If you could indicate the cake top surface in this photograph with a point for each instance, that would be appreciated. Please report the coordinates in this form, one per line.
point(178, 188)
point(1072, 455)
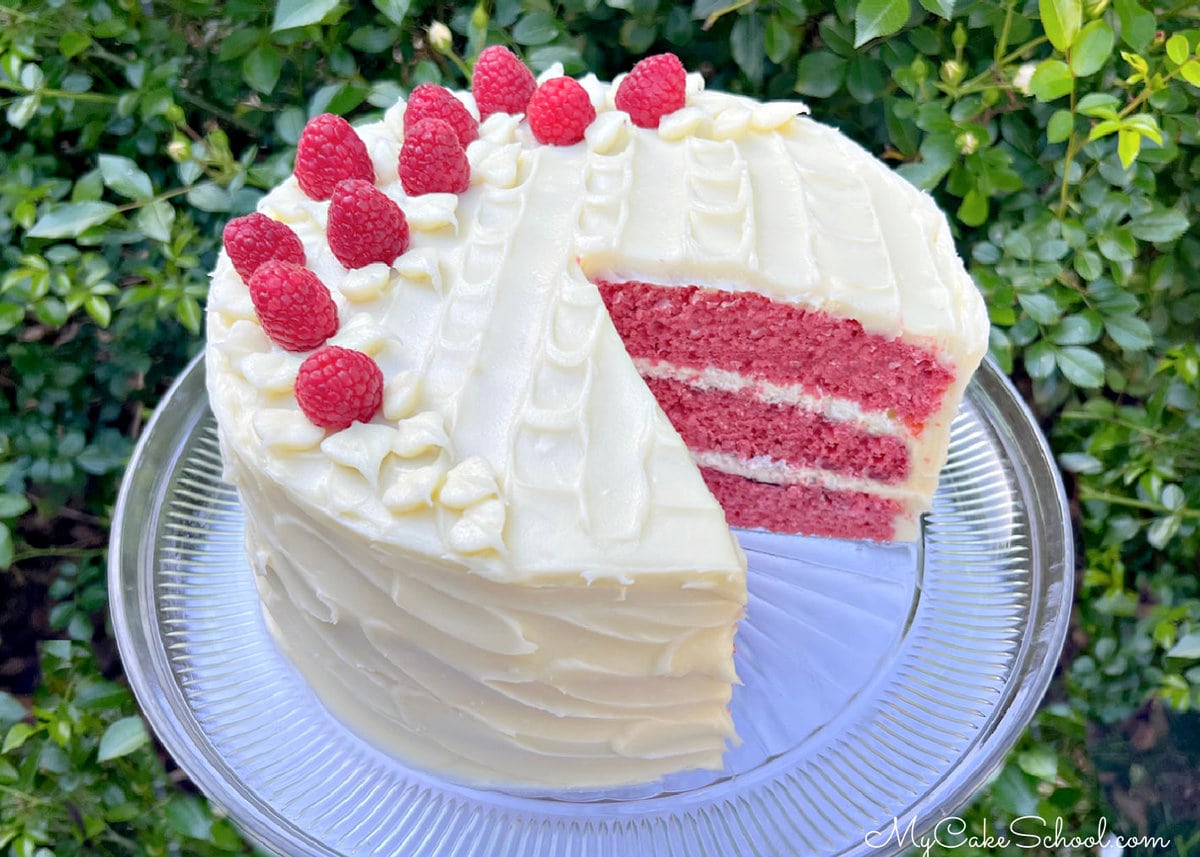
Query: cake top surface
point(513, 433)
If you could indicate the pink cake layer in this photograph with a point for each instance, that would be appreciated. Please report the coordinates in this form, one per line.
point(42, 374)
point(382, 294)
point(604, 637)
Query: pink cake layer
point(749, 334)
point(799, 508)
point(740, 424)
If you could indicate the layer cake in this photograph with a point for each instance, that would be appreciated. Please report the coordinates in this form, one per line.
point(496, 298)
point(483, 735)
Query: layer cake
point(592, 359)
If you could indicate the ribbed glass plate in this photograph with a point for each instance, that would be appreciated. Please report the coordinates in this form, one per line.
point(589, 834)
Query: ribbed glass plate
point(882, 684)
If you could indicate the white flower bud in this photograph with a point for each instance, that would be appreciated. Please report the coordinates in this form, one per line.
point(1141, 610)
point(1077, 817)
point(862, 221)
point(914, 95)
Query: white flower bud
point(1024, 77)
point(440, 37)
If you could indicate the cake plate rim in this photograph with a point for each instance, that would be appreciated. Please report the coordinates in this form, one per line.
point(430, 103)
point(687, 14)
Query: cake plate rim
point(132, 603)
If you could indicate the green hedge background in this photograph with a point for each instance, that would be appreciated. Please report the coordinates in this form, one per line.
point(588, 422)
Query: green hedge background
point(1061, 136)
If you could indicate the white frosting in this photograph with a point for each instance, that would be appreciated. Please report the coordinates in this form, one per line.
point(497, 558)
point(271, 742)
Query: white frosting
point(515, 571)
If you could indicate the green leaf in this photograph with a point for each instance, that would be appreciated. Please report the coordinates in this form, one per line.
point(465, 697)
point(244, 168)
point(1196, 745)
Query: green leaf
point(58, 650)
point(341, 98)
point(1163, 530)
point(874, 18)
point(17, 735)
point(1089, 264)
point(1041, 763)
point(300, 13)
point(156, 220)
point(189, 314)
point(1051, 79)
point(1188, 646)
point(1129, 331)
point(544, 56)
point(289, 123)
point(1137, 24)
point(1117, 245)
point(778, 40)
point(1092, 48)
point(1103, 129)
point(121, 738)
point(1080, 462)
point(1013, 793)
point(186, 816)
point(70, 219)
point(746, 43)
point(1190, 71)
point(13, 505)
point(394, 10)
point(98, 309)
point(124, 177)
point(820, 74)
point(536, 28)
point(239, 43)
point(941, 8)
point(22, 110)
point(1146, 125)
point(1159, 225)
point(1081, 366)
point(1129, 143)
point(101, 694)
point(1100, 105)
point(11, 710)
point(208, 196)
point(864, 78)
point(974, 208)
point(6, 547)
point(1040, 307)
point(1173, 497)
point(1061, 20)
point(10, 316)
point(1081, 329)
point(1060, 126)
point(261, 68)
point(72, 43)
point(636, 37)
point(837, 36)
point(1178, 50)
point(1039, 359)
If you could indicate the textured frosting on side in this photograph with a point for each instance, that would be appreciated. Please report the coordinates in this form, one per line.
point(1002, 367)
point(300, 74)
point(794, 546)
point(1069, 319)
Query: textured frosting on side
point(515, 572)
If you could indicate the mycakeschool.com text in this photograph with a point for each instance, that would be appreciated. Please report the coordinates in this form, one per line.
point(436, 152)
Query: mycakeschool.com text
point(1026, 831)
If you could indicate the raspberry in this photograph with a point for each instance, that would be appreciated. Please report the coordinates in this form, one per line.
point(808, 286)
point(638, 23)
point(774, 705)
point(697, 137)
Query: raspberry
point(430, 101)
point(338, 386)
point(293, 306)
point(656, 86)
point(500, 82)
point(329, 151)
point(365, 225)
point(255, 238)
point(432, 160)
point(560, 111)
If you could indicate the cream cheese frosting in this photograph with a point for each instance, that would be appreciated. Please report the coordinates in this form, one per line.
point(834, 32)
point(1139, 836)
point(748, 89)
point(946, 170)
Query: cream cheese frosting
point(515, 573)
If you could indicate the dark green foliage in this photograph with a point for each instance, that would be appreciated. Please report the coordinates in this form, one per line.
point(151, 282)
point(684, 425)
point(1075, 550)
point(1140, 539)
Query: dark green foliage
point(80, 776)
point(1060, 135)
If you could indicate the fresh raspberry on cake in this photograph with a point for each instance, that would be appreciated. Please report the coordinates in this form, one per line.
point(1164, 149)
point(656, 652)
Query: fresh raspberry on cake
point(560, 111)
point(365, 225)
point(500, 82)
point(432, 160)
point(338, 386)
point(294, 307)
point(329, 151)
point(430, 101)
point(255, 238)
point(655, 87)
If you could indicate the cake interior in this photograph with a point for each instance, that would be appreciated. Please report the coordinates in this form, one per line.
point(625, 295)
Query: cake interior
point(801, 421)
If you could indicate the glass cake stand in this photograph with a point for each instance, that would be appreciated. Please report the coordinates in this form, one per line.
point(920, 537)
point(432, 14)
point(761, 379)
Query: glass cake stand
point(882, 685)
